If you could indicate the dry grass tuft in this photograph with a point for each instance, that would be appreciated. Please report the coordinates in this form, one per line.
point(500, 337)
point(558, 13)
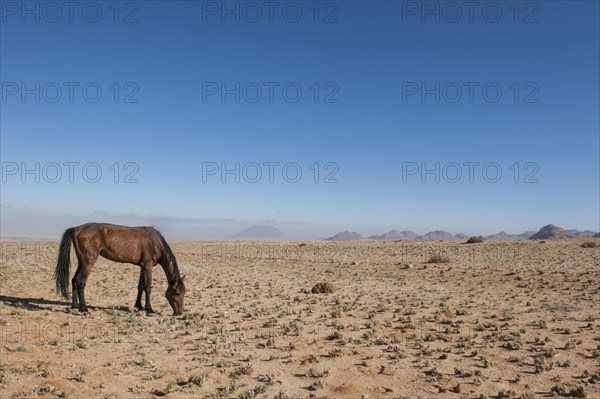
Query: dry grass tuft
point(438, 259)
point(589, 244)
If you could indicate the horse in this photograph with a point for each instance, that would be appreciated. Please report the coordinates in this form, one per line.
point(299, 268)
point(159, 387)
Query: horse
point(142, 246)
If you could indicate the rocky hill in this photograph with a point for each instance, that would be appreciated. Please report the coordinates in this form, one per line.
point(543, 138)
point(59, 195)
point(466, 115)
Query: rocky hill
point(346, 236)
point(395, 235)
point(551, 232)
point(438, 235)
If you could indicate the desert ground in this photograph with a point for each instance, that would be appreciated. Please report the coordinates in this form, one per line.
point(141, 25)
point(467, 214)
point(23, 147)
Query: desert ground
point(499, 319)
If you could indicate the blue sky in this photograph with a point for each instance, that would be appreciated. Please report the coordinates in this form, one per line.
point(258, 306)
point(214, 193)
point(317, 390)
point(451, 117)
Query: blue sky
point(362, 118)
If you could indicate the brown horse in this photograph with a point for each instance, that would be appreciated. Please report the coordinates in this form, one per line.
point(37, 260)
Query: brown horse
point(142, 246)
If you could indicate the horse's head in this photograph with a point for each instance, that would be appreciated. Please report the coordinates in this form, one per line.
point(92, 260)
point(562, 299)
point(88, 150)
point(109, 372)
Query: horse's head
point(175, 294)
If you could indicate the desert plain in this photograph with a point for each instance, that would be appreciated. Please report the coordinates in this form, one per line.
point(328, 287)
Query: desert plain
point(407, 319)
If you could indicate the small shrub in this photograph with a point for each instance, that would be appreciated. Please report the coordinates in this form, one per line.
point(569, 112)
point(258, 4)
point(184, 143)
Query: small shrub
point(80, 376)
point(197, 379)
point(475, 240)
point(253, 393)
point(323, 288)
point(244, 370)
point(337, 313)
point(4, 376)
point(578, 392)
point(438, 259)
point(559, 389)
point(542, 324)
point(589, 244)
point(314, 373)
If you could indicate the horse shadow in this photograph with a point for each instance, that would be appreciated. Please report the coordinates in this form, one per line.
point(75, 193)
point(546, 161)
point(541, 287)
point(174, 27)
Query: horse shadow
point(38, 304)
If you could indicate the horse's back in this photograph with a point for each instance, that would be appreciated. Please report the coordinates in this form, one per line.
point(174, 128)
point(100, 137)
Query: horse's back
point(120, 243)
point(106, 230)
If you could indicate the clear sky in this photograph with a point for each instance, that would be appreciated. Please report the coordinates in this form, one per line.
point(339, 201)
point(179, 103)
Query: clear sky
point(398, 115)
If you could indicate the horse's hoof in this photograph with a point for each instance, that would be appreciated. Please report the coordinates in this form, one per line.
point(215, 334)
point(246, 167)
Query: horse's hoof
point(84, 310)
point(150, 311)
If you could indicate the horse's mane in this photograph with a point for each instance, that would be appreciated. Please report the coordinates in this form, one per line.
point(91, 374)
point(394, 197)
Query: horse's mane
point(168, 256)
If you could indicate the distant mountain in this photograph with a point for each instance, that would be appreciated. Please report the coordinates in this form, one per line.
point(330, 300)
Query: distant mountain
point(346, 236)
point(550, 232)
point(547, 232)
point(582, 234)
point(260, 232)
point(395, 235)
point(527, 234)
point(437, 235)
point(505, 236)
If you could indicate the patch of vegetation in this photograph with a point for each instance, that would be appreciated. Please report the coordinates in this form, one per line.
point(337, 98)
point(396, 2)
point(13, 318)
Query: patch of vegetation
point(197, 379)
point(253, 393)
point(561, 390)
point(475, 240)
point(4, 376)
point(438, 259)
point(80, 376)
point(323, 288)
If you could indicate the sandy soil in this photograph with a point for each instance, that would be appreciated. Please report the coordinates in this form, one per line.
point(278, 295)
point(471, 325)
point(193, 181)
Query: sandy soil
point(499, 320)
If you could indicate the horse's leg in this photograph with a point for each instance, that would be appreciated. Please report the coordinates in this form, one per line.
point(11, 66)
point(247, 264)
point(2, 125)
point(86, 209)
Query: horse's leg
point(87, 251)
point(81, 282)
point(148, 277)
point(141, 287)
point(75, 298)
point(76, 276)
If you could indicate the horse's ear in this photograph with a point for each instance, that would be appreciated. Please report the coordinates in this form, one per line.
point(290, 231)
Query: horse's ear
point(183, 278)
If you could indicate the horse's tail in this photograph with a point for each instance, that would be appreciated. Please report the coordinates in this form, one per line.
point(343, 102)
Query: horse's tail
point(61, 273)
